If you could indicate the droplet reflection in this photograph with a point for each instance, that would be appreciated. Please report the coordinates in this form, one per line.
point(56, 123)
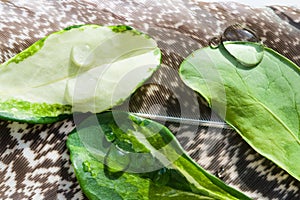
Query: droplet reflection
point(238, 32)
point(110, 136)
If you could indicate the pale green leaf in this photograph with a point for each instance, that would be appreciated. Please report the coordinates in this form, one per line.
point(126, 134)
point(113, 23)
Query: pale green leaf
point(87, 68)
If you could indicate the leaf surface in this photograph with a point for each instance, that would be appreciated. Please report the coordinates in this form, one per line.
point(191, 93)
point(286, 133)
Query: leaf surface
point(119, 155)
point(262, 102)
point(86, 68)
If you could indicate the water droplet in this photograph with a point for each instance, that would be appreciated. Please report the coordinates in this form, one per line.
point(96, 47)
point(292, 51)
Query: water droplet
point(116, 162)
point(247, 54)
point(110, 136)
point(82, 55)
point(243, 45)
point(220, 172)
point(86, 166)
point(214, 42)
point(162, 176)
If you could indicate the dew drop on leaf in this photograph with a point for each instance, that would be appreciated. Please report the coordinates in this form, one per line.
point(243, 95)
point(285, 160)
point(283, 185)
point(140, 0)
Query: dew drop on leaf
point(86, 166)
point(110, 136)
point(82, 55)
point(117, 160)
point(220, 172)
point(243, 45)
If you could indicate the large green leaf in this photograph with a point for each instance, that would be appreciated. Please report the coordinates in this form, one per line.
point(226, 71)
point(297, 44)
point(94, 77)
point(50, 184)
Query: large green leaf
point(261, 102)
point(81, 68)
point(117, 155)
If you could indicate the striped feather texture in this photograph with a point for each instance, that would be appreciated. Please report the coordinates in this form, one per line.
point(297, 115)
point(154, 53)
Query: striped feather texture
point(34, 162)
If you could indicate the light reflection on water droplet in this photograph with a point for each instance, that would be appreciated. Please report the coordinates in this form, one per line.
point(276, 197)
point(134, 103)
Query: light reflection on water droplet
point(110, 136)
point(220, 172)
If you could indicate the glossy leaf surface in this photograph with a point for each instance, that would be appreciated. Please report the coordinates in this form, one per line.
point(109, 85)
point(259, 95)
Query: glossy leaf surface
point(120, 156)
point(261, 102)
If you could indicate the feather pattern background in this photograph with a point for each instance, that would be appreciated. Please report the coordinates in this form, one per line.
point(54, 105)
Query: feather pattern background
point(34, 162)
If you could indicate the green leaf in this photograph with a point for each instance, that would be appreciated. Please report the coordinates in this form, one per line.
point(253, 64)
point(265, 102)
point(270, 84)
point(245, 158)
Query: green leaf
point(84, 68)
point(117, 155)
point(262, 102)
